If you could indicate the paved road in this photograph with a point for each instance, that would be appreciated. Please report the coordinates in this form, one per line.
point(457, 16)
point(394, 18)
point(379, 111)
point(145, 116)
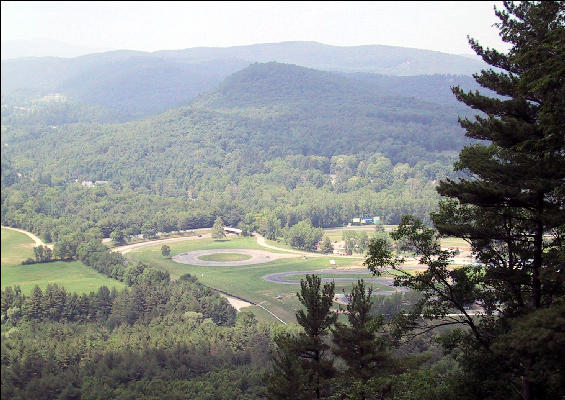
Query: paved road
point(257, 257)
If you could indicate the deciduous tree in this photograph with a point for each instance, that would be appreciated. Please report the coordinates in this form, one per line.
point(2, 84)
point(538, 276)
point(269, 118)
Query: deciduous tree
point(165, 250)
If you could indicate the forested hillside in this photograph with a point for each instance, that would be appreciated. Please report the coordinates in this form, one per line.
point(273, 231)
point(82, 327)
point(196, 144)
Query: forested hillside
point(307, 143)
point(126, 84)
point(132, 84)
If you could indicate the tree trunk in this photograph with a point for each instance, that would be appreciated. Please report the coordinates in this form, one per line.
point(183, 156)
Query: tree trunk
point(526, 389)
point(538, 253)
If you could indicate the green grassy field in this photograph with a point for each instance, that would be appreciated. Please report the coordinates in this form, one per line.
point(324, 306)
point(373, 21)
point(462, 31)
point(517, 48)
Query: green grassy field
point(74, 275)
point(224, 257)
point(16, 247)
point(244, 281)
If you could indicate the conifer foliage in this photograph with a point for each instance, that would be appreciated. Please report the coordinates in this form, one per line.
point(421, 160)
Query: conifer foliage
point(218, 229)
point(510, 207)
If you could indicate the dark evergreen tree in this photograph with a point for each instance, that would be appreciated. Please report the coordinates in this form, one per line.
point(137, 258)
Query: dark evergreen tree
point(509, 207)
point(326, 247)
point(34, 309)
point(218, 229)
point(287, 381)
point(359, 344)
point(317, 320)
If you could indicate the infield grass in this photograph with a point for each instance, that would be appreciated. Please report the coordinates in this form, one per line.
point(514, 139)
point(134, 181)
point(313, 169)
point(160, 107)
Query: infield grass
point(224, 257)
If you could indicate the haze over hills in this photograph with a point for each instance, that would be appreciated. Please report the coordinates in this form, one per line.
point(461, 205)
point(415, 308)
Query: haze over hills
point(44, 48)
point(388, 60)
point(276, 109)
point(257, 128)
point(134, 84)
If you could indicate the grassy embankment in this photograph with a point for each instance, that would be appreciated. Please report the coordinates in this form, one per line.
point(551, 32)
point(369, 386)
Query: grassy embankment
point(73, 275)
point(246, 281)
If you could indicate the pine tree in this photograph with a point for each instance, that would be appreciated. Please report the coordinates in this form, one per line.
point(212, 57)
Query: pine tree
point(316, 321)
point(34, 305)
point(358, 343)
point(287, 380)
point(326, 247)
point(509, 207)
point(302, 367)
point(218, 229)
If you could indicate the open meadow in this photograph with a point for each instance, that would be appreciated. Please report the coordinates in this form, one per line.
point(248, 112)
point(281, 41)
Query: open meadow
point(73, 275)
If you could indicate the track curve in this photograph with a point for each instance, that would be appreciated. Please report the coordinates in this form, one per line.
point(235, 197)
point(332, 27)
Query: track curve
point(257, 257)
point(280, 277)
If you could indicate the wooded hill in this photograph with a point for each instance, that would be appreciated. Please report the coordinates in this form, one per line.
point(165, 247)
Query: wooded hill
point(270, 128)
point(132, 84)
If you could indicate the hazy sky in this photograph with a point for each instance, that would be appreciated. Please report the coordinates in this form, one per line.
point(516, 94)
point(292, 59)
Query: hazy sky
point(149, 26)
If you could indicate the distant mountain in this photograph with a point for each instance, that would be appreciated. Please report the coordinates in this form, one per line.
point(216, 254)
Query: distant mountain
point(302, 142)
point(44, 48)
point(257, 114)
point(324, 113)
point(387, 60)
point(129, 83)
point(134, 84)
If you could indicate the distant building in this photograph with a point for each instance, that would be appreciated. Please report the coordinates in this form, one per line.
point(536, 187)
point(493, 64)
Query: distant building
point(91, 184)
point(366, 220)
point(53, 97)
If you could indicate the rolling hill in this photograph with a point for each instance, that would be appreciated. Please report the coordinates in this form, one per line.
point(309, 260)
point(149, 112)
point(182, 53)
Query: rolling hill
point(133, 84)
point(271, 138)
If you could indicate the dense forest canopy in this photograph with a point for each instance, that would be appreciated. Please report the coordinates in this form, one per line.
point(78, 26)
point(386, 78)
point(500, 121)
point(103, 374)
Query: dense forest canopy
point(310, 144)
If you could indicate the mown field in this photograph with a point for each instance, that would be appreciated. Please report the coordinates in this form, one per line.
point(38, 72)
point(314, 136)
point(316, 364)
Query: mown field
point(16, 247)
point(225, 257)
point(245, 281)
point(73, 275)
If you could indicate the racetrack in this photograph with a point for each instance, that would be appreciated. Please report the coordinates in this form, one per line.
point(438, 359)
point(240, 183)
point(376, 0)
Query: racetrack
point(257, 257)
point(280, 277)
point(130, 247)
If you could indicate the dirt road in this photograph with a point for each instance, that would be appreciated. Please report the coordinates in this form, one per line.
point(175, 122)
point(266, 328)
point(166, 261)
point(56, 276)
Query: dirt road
point(38, 241)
